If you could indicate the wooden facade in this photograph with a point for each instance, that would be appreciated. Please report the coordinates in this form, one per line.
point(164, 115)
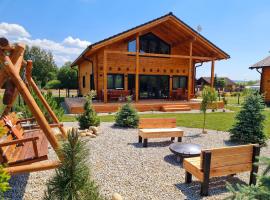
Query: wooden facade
point(263, 67)
point(112, 56)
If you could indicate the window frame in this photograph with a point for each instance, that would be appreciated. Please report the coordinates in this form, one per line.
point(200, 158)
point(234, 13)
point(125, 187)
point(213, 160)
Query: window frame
point(114, 81)
point(179, 78)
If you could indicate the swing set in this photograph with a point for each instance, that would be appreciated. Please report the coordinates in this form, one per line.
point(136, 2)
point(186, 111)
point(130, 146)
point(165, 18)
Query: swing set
point(23, 150)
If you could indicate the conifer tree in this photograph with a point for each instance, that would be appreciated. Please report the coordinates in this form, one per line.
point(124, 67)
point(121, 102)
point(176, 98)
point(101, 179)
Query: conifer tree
point(249, 126)
point(127, 116)
point(89, 117)
point(72, 180)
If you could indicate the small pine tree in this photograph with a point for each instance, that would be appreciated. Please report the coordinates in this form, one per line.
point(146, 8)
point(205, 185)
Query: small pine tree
point(209, 96)
point(89, 117)
point(127, 116)
point(249, 121)
point(259, 191)
point(4, 184)
point(72, 179)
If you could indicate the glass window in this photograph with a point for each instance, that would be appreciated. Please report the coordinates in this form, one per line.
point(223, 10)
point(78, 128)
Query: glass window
point(115, 81)
point(83, 82)
point(179, 82)
point(132, 46)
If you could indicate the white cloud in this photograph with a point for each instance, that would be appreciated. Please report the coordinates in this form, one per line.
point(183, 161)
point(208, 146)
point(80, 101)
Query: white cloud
point(13, 30)
point(64, 51)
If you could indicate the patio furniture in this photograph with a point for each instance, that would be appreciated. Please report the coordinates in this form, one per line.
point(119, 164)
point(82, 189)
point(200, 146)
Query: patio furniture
point(222, 162)
point(115, 95)
point(187, 150)
point(158, 128)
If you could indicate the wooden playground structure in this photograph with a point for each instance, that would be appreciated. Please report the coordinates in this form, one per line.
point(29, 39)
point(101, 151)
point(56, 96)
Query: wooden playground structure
point(23, 150)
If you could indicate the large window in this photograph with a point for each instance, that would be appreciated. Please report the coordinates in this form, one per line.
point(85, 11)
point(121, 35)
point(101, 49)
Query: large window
point(179, 82)
point(150, 43)
point(115, 81)
point(83, 82)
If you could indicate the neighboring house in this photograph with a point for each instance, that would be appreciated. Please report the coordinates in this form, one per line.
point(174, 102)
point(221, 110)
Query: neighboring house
point(149, 61)
point(255, 86)
point(229, 84)
point(263, 67)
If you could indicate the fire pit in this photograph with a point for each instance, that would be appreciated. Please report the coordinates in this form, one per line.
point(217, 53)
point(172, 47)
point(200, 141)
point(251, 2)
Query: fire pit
point(185, 150)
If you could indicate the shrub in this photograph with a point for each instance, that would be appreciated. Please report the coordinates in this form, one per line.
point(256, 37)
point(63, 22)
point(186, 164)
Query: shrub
point(89, 117)
point(53, 84)
point(127, 116)
point(249, 121)
point(209, 96)
point(4, 185)
point(72, 179)
point(259, 191)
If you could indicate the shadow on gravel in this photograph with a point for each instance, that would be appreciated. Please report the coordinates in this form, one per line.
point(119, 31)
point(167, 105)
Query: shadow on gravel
point(18, 184)
point(172, 159)
point(217, 186)
point(151, 144)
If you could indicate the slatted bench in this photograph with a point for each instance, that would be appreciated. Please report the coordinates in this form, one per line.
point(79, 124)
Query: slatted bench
point(20, 147)
point(222, 162)
point(158, 128)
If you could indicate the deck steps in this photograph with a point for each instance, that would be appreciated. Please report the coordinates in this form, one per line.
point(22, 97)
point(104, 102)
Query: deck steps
point(175, 107)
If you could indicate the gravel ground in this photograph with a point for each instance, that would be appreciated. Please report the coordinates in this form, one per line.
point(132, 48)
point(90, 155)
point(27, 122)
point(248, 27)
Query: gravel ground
point(119, 164)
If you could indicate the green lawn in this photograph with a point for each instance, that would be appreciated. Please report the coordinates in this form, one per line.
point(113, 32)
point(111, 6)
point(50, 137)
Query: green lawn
point(215, 121)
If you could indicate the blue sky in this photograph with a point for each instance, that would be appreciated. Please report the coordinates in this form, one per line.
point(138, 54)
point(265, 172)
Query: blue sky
point(239, 27)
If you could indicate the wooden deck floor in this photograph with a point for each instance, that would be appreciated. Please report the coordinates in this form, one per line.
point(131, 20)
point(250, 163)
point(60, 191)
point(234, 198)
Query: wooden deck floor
point(75, 105)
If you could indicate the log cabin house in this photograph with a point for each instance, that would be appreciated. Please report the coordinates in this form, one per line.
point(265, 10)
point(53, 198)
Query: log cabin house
point(263, 67)
point(155, 60)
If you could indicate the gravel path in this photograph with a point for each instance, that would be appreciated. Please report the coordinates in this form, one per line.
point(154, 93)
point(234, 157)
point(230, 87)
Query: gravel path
point(119, 164)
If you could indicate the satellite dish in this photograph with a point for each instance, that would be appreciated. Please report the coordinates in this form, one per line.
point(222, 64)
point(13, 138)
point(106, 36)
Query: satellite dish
point(199, 28)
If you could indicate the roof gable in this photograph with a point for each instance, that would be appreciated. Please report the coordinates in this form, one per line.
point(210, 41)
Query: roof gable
point(263, 63)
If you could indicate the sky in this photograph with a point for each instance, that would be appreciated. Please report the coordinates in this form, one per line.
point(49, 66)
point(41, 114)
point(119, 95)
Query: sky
point(239, 27)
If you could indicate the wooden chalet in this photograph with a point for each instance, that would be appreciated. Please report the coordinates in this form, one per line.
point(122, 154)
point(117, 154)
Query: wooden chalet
point(263, 67)
point(155, 60)
point(229, 84)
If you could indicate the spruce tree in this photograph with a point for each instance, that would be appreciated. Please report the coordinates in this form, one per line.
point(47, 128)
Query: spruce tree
point(257, 192)
point(127, 116)
point(72, 180)
point(89, 117)
point(249, 126)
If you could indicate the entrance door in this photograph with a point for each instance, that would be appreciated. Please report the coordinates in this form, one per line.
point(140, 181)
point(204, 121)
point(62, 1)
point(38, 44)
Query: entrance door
point(154, 87)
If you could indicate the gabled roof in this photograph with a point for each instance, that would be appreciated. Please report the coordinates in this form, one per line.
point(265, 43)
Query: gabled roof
point(263, 63)
point(170, 16)
point(208, 80)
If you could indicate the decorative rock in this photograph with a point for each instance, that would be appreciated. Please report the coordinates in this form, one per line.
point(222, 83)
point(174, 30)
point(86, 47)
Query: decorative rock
point(94, 129)
point(83, 134)
point(90, 134)
point(116, 196)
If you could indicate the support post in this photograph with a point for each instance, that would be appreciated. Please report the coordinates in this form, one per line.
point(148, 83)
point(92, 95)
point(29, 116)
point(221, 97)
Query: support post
point(137, 68)
point(212, 73)
point(126, 82)
point(255, 168)
point(105, 91)
point(171, 87)
point(41, 98)
point(206, 172)
point(190, 70)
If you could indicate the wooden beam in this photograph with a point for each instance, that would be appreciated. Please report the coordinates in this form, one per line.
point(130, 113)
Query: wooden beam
point(41, 98)
point(190, 70)
point(162, 55)
point(171, 86)
point(105, 91)
point(212, 73)
point(137, 68)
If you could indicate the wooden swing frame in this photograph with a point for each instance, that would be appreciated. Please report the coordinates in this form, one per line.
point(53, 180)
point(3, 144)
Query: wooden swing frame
point(11, 64)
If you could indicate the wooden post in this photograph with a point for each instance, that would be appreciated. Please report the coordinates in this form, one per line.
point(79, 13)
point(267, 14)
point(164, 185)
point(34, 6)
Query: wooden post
point(171, 87)
point(190, 70)
point(255, 168)
point(31, 103)
point(212, 73)
point(41, 98)
point(206, 156)
point(137, 68)
point(188, 177)
point(105, 91)
point(126, 82)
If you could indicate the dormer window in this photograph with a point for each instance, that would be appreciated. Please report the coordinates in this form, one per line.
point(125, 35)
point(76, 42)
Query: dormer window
point(150, 43)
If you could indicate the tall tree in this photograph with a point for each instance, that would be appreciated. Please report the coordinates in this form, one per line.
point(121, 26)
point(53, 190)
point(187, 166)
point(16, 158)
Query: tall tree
point(44, 67)
point(68, 76)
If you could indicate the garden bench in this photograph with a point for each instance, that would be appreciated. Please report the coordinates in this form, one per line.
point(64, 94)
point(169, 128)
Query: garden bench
point(158, 128)
point(20, 147)
point(222, 162)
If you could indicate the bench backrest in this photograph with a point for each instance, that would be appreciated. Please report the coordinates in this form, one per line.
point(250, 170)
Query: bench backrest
point(234, 158)
point(157, 123)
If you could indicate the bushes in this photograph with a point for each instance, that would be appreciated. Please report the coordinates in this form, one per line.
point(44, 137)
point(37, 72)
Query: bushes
point(4, 185)
point(249, 121)
point(127, 116)
point(89, 117)
point(72, 179)
point(53, 84)
point(259, 191)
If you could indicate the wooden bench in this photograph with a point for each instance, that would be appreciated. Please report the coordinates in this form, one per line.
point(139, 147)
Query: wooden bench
point(222, 162)
point(19, 147)
point(158, 128)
